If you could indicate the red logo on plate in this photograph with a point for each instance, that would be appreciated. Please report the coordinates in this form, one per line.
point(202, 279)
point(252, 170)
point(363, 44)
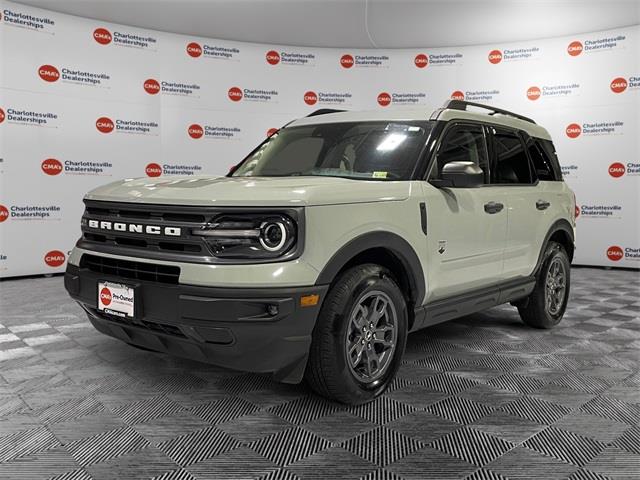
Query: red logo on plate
point(618, 85)
point(104, 125)
point(153, 170)
point(1, 115)
point(54, 258)
point(575, 48)
point(533, 93)
point(421, 60)
point(51, 166)
point(49, 73)
point(105, 296)
point(495, 56)
point(616, 169)
point(235, 94)
point(347, 61)
point(457, 95)
point(272, 131)
point(194, 49)
point(102, 36)
point(273, 57)
point(310, 98)
point(384, 99)
point(151, 86)
point(195, 131)
point(573, 130)
point(615, 253)
point(4, 213)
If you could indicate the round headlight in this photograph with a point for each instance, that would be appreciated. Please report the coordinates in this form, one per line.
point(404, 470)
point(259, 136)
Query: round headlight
point(273, 235)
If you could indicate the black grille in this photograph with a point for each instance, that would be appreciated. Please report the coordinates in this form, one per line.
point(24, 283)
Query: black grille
point(149, 272)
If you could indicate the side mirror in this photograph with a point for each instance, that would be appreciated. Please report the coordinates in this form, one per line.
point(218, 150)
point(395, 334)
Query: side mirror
point(462, 175)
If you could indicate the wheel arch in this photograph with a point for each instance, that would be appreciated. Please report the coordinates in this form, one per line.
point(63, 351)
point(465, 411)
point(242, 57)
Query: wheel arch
point(388, 250)
point(561, 231)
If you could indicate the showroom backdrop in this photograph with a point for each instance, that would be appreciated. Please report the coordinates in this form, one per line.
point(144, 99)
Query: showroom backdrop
point(84, 102)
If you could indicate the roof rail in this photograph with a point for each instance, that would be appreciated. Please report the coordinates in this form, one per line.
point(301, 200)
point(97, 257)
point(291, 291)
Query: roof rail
point(324, 111)
point(463, 104)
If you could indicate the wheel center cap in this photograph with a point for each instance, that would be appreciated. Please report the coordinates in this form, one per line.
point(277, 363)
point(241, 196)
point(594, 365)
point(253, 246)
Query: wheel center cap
point(368, 335)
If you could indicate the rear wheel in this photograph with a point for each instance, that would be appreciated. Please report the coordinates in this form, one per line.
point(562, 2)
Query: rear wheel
point(546, 305)
point(359, 338)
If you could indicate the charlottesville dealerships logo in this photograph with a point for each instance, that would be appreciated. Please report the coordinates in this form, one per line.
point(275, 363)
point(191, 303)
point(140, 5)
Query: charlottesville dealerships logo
point(4, 213)
point(24, 20)
point(533, 93)
point(421, 60)
point(105, 296)
point(384, 99)
point(151, 86)
point(615, 253)
point(327, 98)
point(153, 170)
point(236, 94)
point(495, 56)
point(123, 39)
point(54, 258)
point(401, 98)
point(49, 73)
point(573, 130)
point(575, 48)
point(457, 95)
point(310, 98)
point(617, 170)
point(1, 115)
point(51, 166)
point(29, 117)
point(195, 131)
point(347, 61)
point(274, 57)
point(195, 50)
point(106, 125)
point(618, 85)
point(102, 36)
point(272, 131)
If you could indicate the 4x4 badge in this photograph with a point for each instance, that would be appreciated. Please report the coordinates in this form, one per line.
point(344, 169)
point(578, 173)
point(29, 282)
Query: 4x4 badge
point(442, 246)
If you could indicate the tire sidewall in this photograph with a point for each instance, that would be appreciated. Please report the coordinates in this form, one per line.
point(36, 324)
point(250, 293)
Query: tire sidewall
point(383, 282)
point(554, 251)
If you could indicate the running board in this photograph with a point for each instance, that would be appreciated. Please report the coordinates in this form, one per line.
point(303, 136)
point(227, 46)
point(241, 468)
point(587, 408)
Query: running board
point(472, 302)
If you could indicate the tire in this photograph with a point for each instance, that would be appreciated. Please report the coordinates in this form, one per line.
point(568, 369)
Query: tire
point(341, 330)
point(538, 310)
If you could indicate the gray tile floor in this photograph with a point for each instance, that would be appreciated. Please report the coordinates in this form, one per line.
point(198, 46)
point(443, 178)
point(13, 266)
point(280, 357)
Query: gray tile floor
point(483, 397)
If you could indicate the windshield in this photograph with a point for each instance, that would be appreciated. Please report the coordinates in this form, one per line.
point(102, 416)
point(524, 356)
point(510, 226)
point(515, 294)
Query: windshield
point(363, 150)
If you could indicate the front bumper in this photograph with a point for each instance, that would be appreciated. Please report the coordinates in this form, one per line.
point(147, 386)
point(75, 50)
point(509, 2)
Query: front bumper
point(230, 327)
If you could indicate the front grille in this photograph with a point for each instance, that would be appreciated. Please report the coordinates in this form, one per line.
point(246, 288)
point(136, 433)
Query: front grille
point(148, 272)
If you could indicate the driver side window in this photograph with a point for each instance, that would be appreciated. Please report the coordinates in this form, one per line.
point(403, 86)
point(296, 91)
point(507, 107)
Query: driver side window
point(463, 143)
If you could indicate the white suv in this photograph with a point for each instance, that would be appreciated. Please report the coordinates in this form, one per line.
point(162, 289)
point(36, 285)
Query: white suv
point(331, 241)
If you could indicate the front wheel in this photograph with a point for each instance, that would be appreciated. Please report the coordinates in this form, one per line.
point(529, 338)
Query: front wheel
point(360, 336)
point(546, 305)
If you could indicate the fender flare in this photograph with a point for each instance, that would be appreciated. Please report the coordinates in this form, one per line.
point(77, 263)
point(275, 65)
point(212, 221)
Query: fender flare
point(561, 225)
point(392, 242)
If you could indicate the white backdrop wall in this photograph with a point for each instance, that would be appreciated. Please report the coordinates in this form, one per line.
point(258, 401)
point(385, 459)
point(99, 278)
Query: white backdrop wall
point(84, 102)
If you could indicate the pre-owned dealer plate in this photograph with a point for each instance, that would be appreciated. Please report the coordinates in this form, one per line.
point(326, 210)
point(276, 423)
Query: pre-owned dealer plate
point(116, 299)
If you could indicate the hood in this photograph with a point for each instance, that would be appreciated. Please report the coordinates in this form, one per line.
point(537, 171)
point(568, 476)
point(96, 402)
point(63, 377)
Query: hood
point(251, 191)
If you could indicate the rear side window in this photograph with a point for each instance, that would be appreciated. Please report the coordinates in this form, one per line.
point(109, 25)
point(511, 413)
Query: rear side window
point(512, 163)
point(549, 150)
point(541, 163)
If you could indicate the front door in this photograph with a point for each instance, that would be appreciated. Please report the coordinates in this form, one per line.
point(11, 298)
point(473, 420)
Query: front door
point(467, 227)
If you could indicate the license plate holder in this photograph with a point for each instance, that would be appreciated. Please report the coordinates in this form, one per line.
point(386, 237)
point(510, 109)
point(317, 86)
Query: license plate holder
point(118, 299)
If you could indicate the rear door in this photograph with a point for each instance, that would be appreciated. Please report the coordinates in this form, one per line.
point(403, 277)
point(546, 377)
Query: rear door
point(467, 227)
point(527, 201)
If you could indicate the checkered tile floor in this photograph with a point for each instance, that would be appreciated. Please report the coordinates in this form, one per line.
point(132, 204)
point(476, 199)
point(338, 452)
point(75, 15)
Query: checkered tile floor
point(483, 397)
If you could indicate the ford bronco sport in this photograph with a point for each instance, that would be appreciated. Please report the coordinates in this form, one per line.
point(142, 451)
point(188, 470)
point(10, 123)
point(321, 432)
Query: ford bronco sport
point(332, 240)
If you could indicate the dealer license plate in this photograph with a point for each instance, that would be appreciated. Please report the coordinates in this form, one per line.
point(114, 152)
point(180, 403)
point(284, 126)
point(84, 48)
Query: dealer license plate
point(116, 299)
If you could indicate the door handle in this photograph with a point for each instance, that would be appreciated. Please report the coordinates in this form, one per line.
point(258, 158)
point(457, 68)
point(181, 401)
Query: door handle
point(493, 207)
point(542, 204)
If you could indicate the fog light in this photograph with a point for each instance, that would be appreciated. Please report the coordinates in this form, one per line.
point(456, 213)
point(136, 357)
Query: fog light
point(272, 310)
